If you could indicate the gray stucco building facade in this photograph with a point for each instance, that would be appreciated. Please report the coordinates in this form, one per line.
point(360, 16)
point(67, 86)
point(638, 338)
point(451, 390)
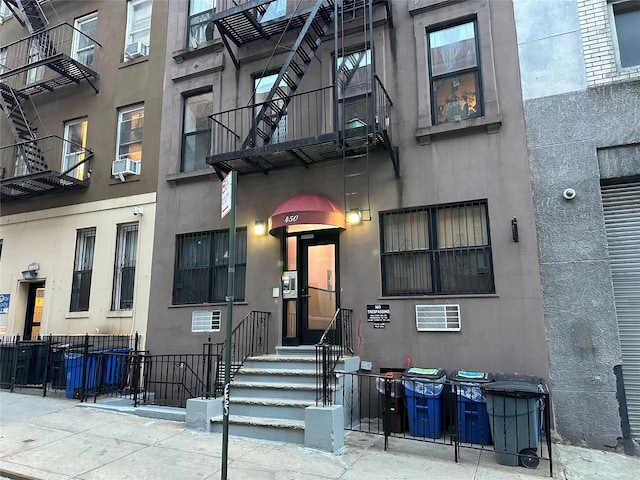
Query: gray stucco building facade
point(583, 134)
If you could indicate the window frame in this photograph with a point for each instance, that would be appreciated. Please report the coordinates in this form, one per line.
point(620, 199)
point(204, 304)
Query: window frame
point(197, 19)
point(76, 54)
point(633, 5)
point(210, 267)
point(432, 244)
point(195, 133)
point(429, 15)
point(279, 135)
point(130, 33)
point(121, 113)
point(82, 270)
point(79, 171)
point(345, 99)
point(453, 74)
point(122, 298)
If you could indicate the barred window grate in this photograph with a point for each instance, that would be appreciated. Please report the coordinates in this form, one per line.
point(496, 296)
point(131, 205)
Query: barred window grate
point(436, 250)
point(125, 267)
point(201, 266)
point(82, 270)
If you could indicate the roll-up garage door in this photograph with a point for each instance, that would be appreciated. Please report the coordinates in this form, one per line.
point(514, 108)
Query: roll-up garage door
point(622, 221)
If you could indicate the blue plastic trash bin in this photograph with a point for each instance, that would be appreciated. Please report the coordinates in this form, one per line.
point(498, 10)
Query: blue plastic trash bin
point(73, 364)
point(422, 389)
point(114, 369)
point(473, 419)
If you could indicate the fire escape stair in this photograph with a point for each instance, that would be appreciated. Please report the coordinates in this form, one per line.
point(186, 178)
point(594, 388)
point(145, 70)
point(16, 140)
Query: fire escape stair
point(291, 73)
point(29, 14)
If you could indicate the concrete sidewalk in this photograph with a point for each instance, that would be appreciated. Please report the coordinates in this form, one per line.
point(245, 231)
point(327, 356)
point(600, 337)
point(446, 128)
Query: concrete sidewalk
point(55, 438)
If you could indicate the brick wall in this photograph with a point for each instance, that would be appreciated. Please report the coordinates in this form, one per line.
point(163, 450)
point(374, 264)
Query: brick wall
point(598, 44)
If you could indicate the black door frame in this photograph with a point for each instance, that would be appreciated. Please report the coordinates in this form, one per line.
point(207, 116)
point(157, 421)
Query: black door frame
point(305, 336)
point(31, 307)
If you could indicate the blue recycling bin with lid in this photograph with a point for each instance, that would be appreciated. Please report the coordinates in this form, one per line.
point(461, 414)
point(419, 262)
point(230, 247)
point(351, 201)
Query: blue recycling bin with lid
point(423, 389)
point(514, 405)
point(73, 364)
point(114, 369)
point(473, 419)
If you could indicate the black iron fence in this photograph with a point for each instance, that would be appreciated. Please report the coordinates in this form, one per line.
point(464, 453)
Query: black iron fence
point(84, 366)
point(511, 418)
point(81, 365)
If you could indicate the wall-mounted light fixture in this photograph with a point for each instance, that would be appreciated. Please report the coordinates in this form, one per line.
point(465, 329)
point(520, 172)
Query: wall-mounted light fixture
point(354, 216)
point(31, 272)
point(514, 229)
point(138, 211)
point(260, 227)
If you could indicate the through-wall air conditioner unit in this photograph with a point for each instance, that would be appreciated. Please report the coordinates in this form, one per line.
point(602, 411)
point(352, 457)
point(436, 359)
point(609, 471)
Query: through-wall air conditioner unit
point(135, 50)
point(125, 166)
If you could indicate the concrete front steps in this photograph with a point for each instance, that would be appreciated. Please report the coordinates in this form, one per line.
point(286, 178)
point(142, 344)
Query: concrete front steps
point(269, 395)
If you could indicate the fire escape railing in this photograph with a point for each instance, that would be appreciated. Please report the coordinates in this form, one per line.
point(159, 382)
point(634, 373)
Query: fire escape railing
point(53, 48)
point(24, 159)
point(309, 116)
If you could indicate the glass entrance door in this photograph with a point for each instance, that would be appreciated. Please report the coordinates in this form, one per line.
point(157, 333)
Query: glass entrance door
point(308, 316)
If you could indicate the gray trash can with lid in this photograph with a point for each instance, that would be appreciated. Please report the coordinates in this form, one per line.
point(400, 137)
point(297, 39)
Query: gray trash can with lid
point(514, 406)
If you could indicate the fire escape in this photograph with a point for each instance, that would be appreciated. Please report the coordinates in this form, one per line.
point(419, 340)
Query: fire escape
point(49, 58)
point(288, 126)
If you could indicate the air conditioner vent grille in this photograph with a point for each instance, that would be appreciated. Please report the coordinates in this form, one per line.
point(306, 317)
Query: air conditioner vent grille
point(438, 318)
point(205, 321)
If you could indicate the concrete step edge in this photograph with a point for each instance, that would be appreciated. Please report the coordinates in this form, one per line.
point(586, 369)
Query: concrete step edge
point(261, 422)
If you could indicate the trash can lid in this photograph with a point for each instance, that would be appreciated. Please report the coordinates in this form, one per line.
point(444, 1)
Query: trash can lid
point(513, 388)
point(429, 373)
point(465, 376)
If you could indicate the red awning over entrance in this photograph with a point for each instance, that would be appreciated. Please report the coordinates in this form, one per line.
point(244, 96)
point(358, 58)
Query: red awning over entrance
point(310, 210)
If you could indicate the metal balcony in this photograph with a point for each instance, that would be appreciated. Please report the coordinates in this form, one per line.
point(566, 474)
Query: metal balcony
point(313, 128)
point(49, 59)
point(25, 168)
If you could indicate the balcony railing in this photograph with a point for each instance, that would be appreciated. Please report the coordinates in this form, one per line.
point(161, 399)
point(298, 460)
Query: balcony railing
point(57, 47)
point(26, 168)
point(312, 128)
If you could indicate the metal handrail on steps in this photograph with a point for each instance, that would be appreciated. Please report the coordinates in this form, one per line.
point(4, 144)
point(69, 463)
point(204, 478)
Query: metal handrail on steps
point(336, 341)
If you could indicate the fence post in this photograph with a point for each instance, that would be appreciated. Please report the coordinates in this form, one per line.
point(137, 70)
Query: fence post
point(83, 380)
point(208, 374)
point(386, 423)
point(47, 367)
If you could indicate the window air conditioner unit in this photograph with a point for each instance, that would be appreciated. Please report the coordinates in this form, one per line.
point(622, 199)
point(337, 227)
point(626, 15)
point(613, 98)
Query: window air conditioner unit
point(135, 50)
point(125, 166)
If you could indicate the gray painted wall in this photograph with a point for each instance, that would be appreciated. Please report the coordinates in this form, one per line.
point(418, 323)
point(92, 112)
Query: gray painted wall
point(569, 131)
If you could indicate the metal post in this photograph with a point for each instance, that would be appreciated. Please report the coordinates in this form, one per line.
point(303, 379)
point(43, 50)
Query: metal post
point(227, 345)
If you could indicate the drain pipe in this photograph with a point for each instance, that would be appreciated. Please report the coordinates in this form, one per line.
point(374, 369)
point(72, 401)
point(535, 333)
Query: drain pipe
point(627, 442)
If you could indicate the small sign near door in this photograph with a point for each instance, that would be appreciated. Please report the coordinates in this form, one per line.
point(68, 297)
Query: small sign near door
point(378, 314)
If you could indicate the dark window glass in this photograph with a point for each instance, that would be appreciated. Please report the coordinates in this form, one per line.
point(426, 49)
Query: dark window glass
point(627, 19)
point(201, 267)
point(125, 267)
point(196, 131)
point(82, 270)
point(436, 250)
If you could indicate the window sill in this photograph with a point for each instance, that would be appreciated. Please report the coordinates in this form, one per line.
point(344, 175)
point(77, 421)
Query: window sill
point(136, 61)
point(120, 314)
point(489, 122)
point(212, 46)
point(127, 179)
point(441, 297)
point(75, 315)
point(206, 174)
point(201, 305)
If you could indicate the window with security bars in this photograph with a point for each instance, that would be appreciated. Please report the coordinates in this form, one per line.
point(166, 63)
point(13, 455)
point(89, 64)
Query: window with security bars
point(436, 250)
point(201, 267)
point(82, 270)
point(125, 267)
